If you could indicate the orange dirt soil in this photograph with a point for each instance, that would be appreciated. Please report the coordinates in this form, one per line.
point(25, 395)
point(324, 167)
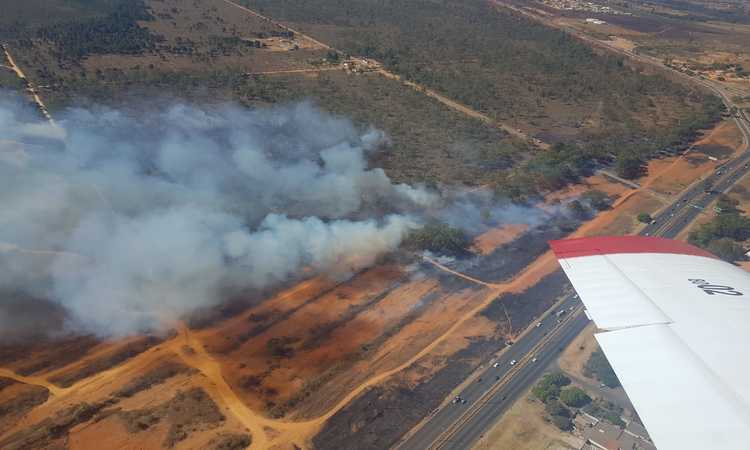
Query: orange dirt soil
point(488, 241)
point(340, 320)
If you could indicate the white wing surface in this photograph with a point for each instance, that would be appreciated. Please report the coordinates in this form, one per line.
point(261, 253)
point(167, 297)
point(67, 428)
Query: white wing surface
point(675, 325)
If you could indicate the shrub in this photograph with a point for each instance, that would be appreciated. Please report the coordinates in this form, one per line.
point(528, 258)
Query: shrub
point(440, 238)
point(645, 217)
point(574, 397)
point(597, 199)
point(555, 408)
point(563, 423)
point(598, 367)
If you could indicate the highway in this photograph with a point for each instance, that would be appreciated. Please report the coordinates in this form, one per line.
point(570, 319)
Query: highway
point(459, 425)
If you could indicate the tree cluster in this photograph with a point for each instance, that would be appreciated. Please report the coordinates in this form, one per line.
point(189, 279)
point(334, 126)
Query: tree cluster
point(115, 33)
point(440, 238)
point(549, 390)
point(721, 236)
point(605, 410)
point(598, 367)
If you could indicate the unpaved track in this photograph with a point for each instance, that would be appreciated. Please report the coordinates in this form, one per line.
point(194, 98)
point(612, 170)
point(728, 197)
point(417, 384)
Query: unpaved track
point(195, 355)
point(461, 275)
point(31, 90)
point(464, 109)
point(456, 106)
point(293, 71)
point(35, 381)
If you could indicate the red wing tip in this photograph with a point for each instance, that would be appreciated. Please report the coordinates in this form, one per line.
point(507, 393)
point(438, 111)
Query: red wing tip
point(607, 245)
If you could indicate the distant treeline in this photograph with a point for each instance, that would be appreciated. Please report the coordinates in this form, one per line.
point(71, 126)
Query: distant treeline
point(117, 32)
point(507, 67)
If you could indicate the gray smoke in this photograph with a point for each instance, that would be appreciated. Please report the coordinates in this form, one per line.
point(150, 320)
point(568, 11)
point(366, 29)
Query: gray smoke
point(129, 222)
point(476, 211)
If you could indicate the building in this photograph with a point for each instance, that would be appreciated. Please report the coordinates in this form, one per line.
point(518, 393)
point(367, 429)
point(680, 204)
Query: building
point(605, 436)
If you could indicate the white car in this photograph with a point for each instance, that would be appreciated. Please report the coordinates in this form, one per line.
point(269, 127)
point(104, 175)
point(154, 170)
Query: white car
point(533, 359)
point(538, 324)
point(496, 365)
point(513, 362)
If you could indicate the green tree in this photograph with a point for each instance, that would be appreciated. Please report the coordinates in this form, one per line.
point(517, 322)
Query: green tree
point(440, 238)
point(597, 366)
point(597, 199)
point(557, 378)
point(574, 397)
point(727, 205)
point(725, 225)
point(727, 249)
point(545, 392)
point(563, 423)
point(555, 408)
point(577, 209)
point(548, 388)
point(628, 166)
point(645, 217)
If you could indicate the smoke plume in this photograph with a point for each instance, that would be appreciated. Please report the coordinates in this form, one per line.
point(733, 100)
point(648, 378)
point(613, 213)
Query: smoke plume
point(129, 222)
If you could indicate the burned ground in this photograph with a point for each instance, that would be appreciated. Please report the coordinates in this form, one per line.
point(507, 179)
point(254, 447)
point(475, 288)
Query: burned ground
point(17, 399)
point(96, 365)
point(377, 418)
point(30, 357)
point(185, 413)
point(153, 377)
point(522, 308)
point(52, 432)
point(381, 415)
point(509, 259)
point(231, 442)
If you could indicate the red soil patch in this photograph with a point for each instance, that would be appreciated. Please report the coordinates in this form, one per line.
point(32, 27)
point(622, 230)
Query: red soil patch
point(264, 378)
point(488, 241)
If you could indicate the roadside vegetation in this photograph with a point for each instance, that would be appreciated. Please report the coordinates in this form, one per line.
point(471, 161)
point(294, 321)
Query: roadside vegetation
point(645, 218)
point(439, 238)
point(723, 235)
point(557, 399)
point(599, 368)
point(604, 409)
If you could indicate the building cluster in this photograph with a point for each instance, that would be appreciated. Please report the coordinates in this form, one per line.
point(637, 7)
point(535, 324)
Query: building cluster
point(577, 5)
point(360, 65)
point(602, 435)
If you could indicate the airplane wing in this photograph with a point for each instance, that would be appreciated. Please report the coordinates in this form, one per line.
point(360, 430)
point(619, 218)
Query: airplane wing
point(674, 323)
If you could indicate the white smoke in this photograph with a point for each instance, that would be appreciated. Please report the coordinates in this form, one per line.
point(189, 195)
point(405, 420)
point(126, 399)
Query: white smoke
point(128, 222)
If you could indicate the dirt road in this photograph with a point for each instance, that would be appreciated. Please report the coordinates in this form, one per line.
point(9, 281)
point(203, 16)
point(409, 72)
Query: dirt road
point(30, 89)
point(518, 134)
point(456, 106)
point(461, 275)
point(35, 381)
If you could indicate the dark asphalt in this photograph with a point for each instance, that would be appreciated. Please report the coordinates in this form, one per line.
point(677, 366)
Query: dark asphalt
point(442, 429)
point(521, 376)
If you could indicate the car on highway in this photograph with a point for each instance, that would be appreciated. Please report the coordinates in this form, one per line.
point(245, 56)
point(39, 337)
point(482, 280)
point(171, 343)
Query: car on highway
point(497, 364)
point(533, 359)
point(538, 324)
point(513, 362)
